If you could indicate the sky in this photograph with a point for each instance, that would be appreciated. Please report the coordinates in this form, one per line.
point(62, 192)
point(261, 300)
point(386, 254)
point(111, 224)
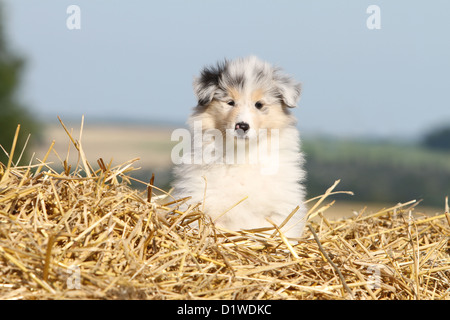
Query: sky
point(136, 60)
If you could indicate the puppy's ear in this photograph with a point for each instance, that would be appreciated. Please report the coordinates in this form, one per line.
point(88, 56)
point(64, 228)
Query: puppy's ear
point(206, 85)
point(288, 89)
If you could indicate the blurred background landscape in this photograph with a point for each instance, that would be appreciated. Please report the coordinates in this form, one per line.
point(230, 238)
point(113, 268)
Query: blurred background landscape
point(374, 113)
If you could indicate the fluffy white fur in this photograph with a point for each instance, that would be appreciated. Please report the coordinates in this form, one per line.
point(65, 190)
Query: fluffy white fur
point(251, 94)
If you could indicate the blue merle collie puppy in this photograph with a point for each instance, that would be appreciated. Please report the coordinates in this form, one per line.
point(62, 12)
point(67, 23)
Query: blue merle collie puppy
point(244, 163)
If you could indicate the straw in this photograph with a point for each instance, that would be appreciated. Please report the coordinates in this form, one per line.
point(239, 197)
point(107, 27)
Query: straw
point(85, 233)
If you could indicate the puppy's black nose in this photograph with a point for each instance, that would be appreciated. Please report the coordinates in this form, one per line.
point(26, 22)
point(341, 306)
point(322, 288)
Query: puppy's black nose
point(244, 126)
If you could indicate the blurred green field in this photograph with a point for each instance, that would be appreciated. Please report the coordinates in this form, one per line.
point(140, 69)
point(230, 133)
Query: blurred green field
point(379, 171)
point(375, 152)
point(381, 174)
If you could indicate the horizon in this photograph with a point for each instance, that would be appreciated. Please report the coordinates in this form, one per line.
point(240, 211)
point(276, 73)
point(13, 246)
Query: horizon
point(75, 122)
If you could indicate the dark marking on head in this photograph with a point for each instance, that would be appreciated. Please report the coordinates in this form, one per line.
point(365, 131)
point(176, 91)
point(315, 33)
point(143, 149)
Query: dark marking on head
point(208, 82)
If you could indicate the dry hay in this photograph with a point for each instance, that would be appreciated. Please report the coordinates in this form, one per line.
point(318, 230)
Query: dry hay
point(86, 234)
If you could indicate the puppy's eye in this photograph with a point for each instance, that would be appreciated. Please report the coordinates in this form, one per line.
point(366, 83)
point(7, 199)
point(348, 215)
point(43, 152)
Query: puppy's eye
point(258, 105)
point(230, 103)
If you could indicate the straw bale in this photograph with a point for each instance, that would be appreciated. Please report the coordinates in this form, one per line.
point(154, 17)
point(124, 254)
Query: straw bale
point(84, 233)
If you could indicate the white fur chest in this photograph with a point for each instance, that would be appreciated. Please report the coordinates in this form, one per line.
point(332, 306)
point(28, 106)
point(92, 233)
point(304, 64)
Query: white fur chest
point(242, 196)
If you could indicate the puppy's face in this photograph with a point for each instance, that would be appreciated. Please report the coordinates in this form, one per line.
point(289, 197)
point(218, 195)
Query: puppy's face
point(244, 96)
point(244, 112)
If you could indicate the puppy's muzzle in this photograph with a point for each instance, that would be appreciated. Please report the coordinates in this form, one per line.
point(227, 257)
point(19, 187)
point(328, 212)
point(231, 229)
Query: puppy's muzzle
point(244, 126)
point(241, 128)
